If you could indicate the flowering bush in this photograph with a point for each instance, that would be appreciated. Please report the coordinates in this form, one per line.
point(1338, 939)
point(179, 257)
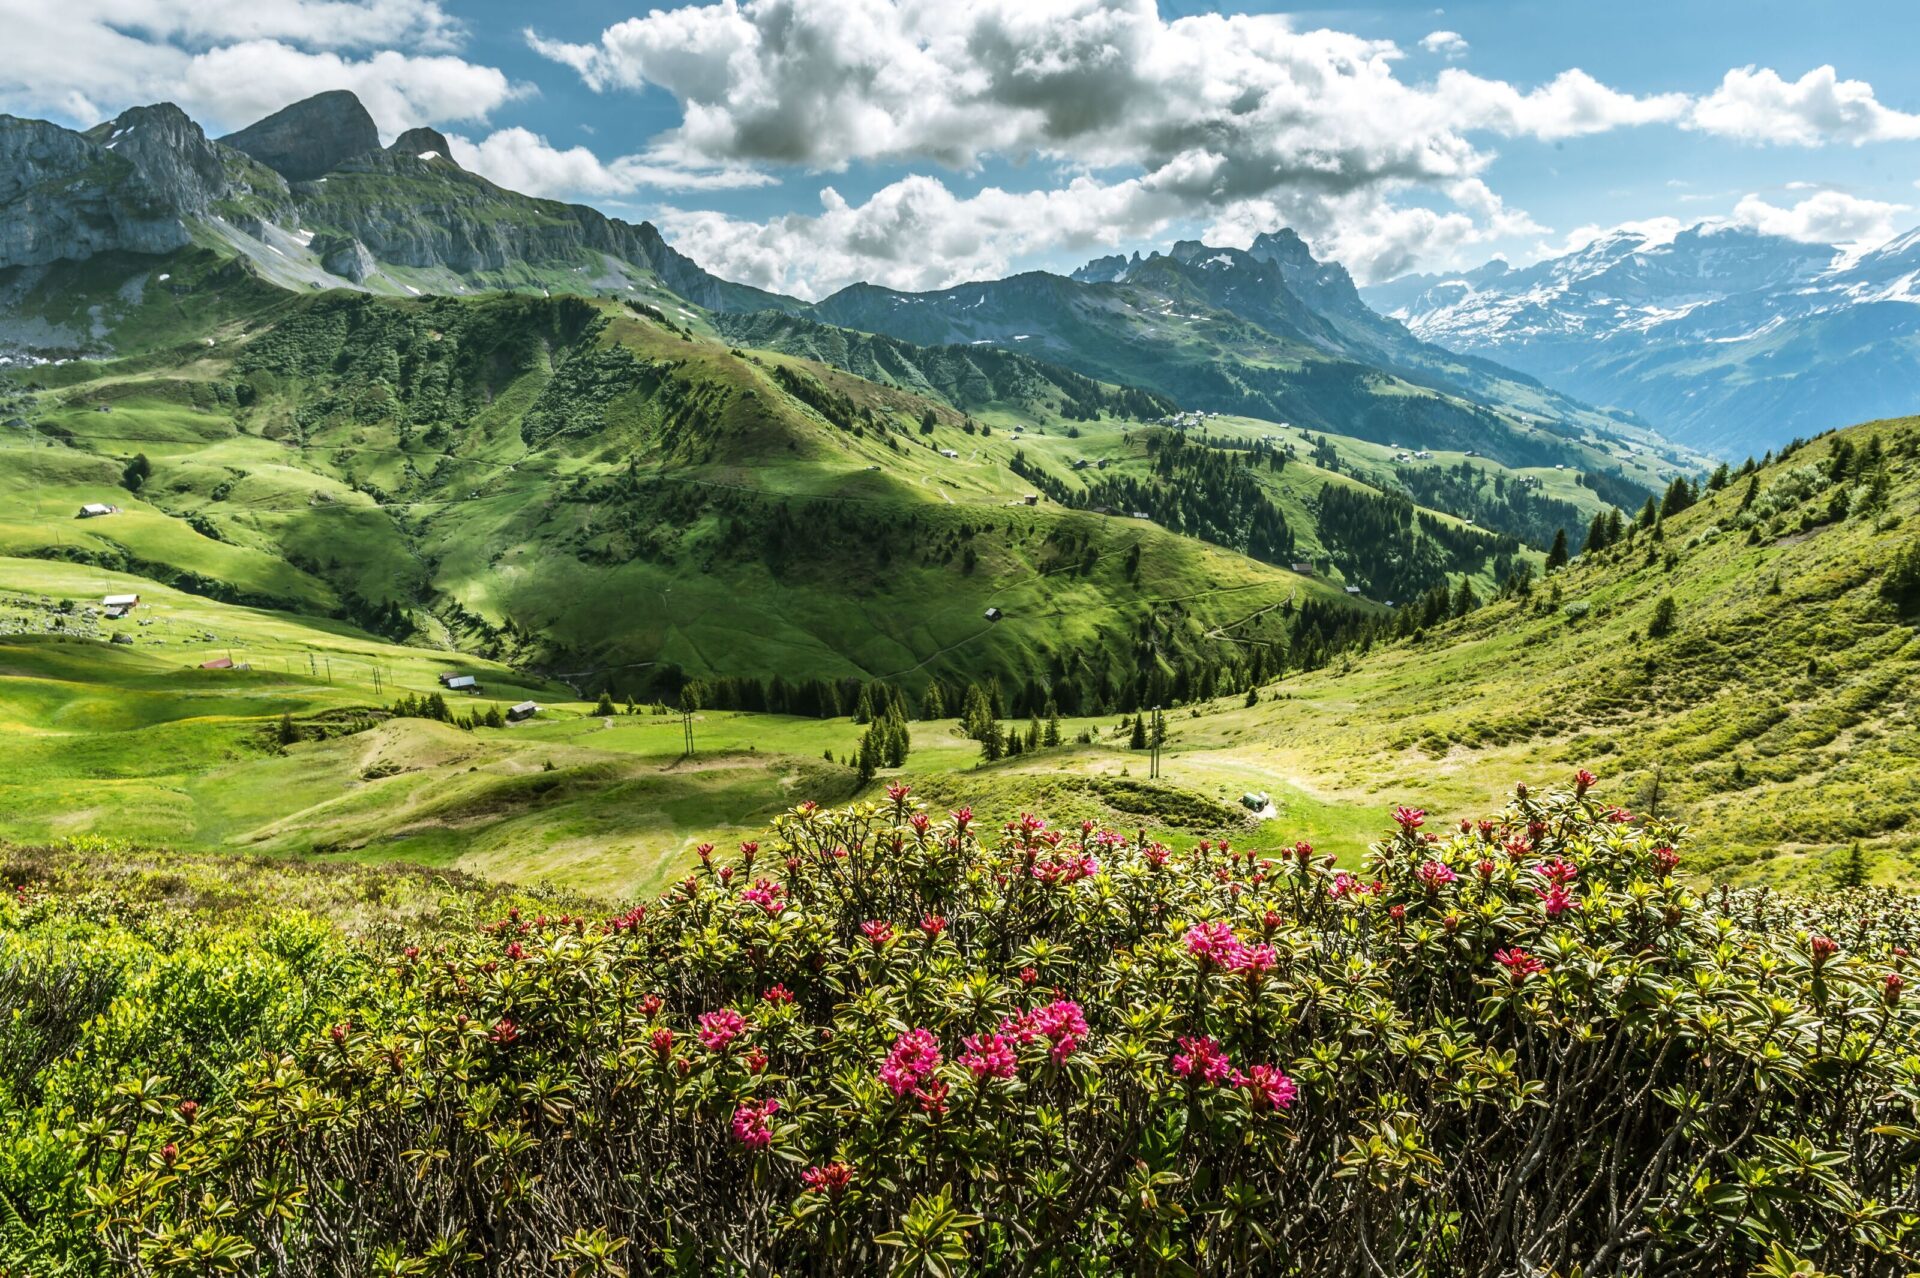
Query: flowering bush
point(1554, 1055)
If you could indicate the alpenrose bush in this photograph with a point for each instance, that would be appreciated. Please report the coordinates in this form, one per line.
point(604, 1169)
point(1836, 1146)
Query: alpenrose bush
point(887, 1039)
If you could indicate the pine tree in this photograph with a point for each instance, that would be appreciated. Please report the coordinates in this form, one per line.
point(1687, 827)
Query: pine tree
point(1464, 600)
point(286, 733)
point(1648, 513)
point(992, 744)
point(975, 713)
point(1852, 872)
point(1678, 497)
point(1557, 556)
point(605, 708)
point(1663, 617)
point(1052, 737)
point(933, 705)
point(1596, 534)
point(1139, 739)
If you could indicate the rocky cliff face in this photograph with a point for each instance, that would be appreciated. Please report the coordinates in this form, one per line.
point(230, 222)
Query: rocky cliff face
point(307, 140)
point(133, 183)
point(144, 181)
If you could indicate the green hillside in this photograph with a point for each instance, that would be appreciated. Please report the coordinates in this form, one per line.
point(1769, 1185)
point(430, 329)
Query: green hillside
point(1776, 715)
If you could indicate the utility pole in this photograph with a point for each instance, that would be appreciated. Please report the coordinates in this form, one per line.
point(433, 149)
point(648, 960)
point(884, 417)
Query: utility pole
point(686, 729)
point(1154, 736)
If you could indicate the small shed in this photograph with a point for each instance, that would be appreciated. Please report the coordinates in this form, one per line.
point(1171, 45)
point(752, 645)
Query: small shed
point(1031, 499)
point(116, 613)
point(949, 454)
point(525, 710)
point(1255, 800)
point(1353, 590)
point(125, 603)
point(993, 614)
point(1141, 514)
point(462, 683)
point(96, 509)
point(1305, 570)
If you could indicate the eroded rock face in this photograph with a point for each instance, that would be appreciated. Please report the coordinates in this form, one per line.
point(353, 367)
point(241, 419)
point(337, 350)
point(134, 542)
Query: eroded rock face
point(424, 144)
point(312, 137)
point(344, 256)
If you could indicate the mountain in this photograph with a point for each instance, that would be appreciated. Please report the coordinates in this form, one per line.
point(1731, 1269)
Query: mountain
point(311, 199)
point(1732, 340)
point(1267, 332)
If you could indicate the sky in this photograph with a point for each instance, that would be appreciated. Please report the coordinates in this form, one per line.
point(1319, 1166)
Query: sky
point(803, 145)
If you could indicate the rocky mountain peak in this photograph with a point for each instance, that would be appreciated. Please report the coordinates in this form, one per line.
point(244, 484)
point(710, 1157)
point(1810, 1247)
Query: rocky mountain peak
point(424, 144)
point(311, 137)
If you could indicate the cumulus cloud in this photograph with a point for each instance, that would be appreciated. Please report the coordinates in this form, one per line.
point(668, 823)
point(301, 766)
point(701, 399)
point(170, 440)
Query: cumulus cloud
point(1829, 217)
point(1448, 44)
point(1758, 105)
point(1242, 121)
point(230, 61)
point(522, 160)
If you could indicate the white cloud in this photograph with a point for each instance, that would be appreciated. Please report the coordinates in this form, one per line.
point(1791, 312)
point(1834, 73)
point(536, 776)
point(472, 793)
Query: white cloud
point(1757, 105)
point(1241, 121)
point(1448, 44)
point(1831, 217)
point(228, 62)
point(524, 161)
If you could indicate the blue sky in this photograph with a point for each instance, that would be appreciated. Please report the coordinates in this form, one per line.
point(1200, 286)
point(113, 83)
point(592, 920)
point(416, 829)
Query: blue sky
point(803, 144)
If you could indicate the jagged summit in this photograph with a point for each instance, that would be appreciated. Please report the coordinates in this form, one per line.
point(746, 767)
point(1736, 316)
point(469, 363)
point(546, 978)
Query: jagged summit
point(424, 144)
point(306, 140)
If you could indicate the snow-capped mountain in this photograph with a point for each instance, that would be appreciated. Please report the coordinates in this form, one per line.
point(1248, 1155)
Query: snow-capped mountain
point(1724, 338)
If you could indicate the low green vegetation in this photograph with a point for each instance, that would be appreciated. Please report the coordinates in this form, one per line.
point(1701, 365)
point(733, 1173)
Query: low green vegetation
point(897, 1038)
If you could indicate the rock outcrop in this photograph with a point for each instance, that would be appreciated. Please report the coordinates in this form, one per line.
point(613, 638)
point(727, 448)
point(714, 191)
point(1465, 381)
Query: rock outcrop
point(311, 138)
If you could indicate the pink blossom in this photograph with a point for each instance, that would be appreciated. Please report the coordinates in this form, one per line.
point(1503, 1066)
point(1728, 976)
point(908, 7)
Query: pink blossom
point(1409, 819)
point(767, 895)
point(1060, 1022)
point(1558, 900)
point(1211, 942)
point(915, 1054)
point(1519, 964)
point(1665, 858)
point(990, 1056)
point(1434, 875)
point(1269, 1087)
point(1201, 1060)
point(778, 994)
point(832, 1179)
point(933, 925)
point(877, 932)
point(717, 1029)
point(753, 1123)
point(1583, 781)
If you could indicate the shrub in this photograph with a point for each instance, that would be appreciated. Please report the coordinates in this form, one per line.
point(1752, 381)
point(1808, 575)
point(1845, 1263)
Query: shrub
point(882, 1038)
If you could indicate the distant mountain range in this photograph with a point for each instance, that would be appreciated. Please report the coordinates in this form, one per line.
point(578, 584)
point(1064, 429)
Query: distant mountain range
point(1726, 339)
point(309, 198)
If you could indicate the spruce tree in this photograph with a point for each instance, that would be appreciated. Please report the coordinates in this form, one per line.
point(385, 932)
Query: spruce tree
point(1052, 737)
point(605, 706)
point(1139, 739)
point(933, 705)
point(1557, 556)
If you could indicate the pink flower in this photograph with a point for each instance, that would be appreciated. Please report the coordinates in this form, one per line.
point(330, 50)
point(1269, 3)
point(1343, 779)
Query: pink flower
point(933, 925)
point(1211, 942)
point(1029, 977)
point(915, 1055)
point(1583, 781)
point(778, 994)
point(1060, 1022)
point(1558, 900)
point(877, 932)
point(1201, 1060)
point(753, 1123)
point(1558, 871)
point(1619, 816)
point(1269, 1087)
point(1895, 983)
point(717, 1029)
point(1255, 960)
point(767, 895)
point(1410, 819)
point(832, 1179)
point(1519, 964)
point(1665, 859)
point(1822, 948)
point(1434, 875)
point(661, 1041)
point(990, 1056)
point(898, 793)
